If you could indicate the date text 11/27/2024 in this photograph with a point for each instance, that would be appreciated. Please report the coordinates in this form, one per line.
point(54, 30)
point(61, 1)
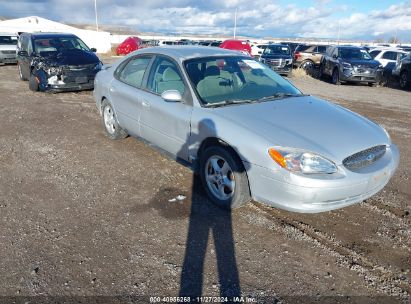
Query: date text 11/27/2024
point(202, 299)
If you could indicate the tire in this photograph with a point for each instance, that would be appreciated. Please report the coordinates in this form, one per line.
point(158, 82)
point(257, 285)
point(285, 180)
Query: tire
point(224, 178)
point(404, 80)
point(307, 65)
point(110, 124)
point(33, 84)
point(21, 73)
point(335, 79)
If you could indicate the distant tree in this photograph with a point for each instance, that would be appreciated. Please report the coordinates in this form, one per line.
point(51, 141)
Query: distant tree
point(378, 40)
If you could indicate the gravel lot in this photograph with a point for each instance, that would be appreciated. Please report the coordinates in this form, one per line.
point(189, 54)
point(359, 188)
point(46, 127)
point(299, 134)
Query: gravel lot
point(87, 219)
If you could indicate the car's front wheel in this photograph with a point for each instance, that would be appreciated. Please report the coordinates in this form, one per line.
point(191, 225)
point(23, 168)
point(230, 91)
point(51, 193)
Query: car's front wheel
point(21, 73)
point(110, 124)
point(224, 177)
point(404, 80)
point(33, 84)
point(336, 77)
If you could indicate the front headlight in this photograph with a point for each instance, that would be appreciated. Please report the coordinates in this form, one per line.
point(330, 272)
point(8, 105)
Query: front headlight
point(347, 65)
point(98, 66)
point(54, 70)
point(302, 161)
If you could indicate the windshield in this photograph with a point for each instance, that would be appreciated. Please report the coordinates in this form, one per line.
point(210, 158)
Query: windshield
point(9, 40)
point(58, 44)
point(277, 50)
point(233, 79)
point(354, 54)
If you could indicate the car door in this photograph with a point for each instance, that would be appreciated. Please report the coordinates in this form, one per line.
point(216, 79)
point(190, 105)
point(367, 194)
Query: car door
point(125, 92)
point(166, 124)
point(25, 49)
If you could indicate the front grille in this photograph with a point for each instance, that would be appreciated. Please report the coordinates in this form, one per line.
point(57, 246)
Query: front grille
point(364, 158)
point(8, 52)
point(276, 62)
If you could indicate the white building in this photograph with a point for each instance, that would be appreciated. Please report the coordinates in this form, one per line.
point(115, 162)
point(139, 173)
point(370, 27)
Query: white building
point(94, 39)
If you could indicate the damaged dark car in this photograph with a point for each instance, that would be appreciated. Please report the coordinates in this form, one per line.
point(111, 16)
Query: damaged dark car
point(56, 62)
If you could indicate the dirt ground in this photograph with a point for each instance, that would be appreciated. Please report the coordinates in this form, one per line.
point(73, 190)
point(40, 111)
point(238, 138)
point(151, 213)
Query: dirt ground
point(84, 219)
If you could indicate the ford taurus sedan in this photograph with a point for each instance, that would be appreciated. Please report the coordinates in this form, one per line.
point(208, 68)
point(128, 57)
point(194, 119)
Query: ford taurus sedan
point(246, 131)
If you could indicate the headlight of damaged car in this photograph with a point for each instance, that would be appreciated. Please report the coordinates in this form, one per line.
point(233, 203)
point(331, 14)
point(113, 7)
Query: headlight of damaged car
point(347, 65)
point(54, 70)
point(302, 161)
point(98, 66)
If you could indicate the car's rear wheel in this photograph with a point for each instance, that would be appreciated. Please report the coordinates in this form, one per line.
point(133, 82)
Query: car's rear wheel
point(21, 73)
point(33, 84)
point(336, 77)
point(224, 177)
point(307, 65)
point(110, 124)
point(404, 80)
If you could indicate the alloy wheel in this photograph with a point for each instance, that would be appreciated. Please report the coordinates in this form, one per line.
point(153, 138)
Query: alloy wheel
point(220, 177)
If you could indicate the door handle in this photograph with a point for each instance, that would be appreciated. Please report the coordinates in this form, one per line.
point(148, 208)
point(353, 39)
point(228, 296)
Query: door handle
point(145, 104)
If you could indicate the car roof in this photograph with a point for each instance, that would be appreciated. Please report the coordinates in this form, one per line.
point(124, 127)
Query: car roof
point(184, 52)
point(392, 49)
point(50, 35)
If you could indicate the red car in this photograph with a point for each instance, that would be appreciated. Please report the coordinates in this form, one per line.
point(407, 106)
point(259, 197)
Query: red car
point(129, 45)
point(237, 45)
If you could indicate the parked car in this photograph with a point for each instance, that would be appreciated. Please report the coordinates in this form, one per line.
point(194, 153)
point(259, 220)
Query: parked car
point(387, 55)
point(130, 44)
point(278, 58)
point(56, 62)
point(350, 64)
point(237, 45)
point(8, 46)
point(247, 131)
point(306, 56)
point(257, 49)
point(404, 71)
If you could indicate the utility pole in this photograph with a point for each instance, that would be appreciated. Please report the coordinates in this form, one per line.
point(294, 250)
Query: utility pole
point(235, 22)
point(95, 11)
point(338, 39)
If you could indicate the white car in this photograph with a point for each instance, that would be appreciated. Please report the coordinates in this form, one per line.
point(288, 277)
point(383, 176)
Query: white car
point(8, 47)
point(387, 55)
point(257, 49)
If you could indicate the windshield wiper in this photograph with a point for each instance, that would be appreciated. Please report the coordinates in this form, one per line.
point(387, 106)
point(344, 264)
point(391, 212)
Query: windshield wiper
point(280, 96)
point(229, 102)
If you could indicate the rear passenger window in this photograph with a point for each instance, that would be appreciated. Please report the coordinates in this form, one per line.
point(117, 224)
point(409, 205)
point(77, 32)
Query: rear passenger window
point(322, 49)
point(133, 71)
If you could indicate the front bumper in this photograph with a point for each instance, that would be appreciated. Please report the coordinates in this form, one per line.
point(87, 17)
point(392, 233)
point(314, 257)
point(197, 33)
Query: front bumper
point(365, 75)
point(64, 83)
point(8, 59)
point(312, 194)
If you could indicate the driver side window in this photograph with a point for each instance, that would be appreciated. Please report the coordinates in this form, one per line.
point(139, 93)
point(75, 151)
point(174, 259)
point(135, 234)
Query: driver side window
point(164, 76)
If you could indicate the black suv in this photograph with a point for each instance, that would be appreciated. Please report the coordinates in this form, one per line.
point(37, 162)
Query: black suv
point(405, 71)
point(278, 58)
point(351, 64)
point(56, 62)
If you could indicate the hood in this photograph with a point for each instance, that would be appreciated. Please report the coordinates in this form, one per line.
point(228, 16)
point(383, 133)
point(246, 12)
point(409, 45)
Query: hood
point(367, 63)
point(308, 123)
point(71, 57)
point(276, 56)
point(8, 47)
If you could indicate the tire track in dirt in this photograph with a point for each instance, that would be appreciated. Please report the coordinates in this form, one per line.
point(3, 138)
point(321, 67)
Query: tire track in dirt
point(376, 277)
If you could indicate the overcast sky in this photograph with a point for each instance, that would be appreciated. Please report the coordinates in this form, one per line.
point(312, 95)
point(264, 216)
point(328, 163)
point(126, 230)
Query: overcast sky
point(354, 19)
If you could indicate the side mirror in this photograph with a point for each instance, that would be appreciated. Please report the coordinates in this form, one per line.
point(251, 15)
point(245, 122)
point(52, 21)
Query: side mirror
point(22, 53)
point(93, 50)
point(171, 95)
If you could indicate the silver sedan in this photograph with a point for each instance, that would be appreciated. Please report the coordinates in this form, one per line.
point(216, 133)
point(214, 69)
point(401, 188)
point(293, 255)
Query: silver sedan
point(248, 132)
